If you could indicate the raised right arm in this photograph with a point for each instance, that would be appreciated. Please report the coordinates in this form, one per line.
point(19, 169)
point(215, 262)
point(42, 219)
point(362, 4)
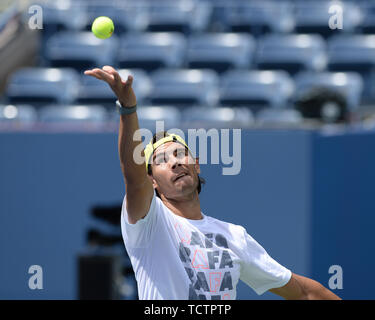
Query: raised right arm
point(139, 189)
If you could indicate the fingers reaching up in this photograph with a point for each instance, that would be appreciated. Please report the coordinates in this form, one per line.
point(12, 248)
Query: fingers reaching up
point(109, 75)
point(122, 88)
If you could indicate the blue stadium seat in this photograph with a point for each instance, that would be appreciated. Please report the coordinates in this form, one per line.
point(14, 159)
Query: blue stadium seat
point(126, 15)
point(279, 117)
point(315, 16)
point(73, 113)
point(184, 16)
point(65, 16)
point(148, 115)
point(80, 50)
point(292, 53)
point(256, 89)
point(258, 17)
point(368, 12)
point(217, 117)
point(354, 53)
point(94, 91)
point(38, 86)
point(150, 51)
point(17, 114)
point(184, 87)
point(59, 16)
point(220, 51)
point(350, 84)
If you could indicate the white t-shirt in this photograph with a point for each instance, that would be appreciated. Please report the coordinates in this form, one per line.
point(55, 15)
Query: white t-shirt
point(175, 258)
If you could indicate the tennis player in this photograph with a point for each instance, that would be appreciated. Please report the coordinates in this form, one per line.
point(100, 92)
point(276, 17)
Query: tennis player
point(176, 250)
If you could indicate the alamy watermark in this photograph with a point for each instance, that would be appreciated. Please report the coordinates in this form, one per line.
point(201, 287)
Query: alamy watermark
point(220, 143)
point(336, 280)
point(36, 19)
point(337, 16)
point(36, 280)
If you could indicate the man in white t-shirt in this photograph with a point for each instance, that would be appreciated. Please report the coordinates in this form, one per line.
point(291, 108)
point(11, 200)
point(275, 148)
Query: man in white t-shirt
point(177, 251)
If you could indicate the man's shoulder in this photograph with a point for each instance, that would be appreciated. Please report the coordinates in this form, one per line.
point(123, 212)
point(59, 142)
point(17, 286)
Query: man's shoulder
point(225, 224)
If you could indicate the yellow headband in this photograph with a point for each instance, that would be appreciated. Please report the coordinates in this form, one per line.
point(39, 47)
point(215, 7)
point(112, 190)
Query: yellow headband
point(150, 148)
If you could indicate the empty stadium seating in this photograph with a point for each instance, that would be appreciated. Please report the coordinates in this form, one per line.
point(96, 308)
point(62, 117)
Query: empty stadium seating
point(127, 15)
point(94, 91)
point(292, 52)
point(315, 16)
point(354, 53)
point(17, 114)
point(150, 51)
point(220, 51)
point(80, 50)
point(210, 53)
point(258, 17)
point(148, 115)
point(279, 117)
point(350, 84)
point(256, 89)
point(217, 117)
point(73, 113)
point(368, 17)
point(184, 87)
point(63, 16)
point(184, 16)
point(38, 86)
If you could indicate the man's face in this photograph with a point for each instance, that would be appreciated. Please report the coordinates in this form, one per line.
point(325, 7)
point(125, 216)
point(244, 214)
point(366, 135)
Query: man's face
point(174, 171)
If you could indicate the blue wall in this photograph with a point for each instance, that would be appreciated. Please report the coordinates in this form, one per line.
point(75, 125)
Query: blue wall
point(292, 192)
point(344, 210)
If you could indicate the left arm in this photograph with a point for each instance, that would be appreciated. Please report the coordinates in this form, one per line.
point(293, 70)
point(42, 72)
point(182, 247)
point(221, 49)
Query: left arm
point(302, 288)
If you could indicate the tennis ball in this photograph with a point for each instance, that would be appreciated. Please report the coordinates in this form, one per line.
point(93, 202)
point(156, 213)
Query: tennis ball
point(102, 27)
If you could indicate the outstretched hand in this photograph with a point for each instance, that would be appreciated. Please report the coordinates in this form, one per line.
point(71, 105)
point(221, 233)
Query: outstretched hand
point(122, 89)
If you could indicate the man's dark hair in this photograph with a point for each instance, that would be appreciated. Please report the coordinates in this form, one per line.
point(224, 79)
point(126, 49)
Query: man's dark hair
point(160, 135)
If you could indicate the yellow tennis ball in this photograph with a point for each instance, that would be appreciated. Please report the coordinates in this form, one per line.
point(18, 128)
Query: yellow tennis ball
point(103, 27)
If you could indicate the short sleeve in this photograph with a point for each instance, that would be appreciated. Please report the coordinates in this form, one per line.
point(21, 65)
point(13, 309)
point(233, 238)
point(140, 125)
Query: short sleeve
point(139, 234)
point(259, 270)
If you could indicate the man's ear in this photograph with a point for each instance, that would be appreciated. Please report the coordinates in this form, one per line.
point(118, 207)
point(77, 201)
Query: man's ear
point(153, 181)
point(197, 166)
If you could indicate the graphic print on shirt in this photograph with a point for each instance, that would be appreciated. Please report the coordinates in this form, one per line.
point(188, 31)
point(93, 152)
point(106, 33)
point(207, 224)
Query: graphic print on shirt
point(207, 262)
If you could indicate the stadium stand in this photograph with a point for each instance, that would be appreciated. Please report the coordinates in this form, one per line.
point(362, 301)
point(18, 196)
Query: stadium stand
point(68, 16)
point(220, 51)
point(17, 114)
point(202, 53)
point(73, 113)
point(185, 16)
point(217, 117)
point(80, 50)
point(292, 52)
point(258, 17)
point(279, 117)
point(149, 115)
point(94, 91)
point(151, 51)
point(256, 89)
point(40, 86)
point(127, 16)
point(314, 17)
point(368, 17)
point(324, 104)
point(184, 87)
point(354, 53)
point(350, 84)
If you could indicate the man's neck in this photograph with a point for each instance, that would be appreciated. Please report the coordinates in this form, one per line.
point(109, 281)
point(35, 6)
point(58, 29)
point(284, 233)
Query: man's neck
point(187, 207)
